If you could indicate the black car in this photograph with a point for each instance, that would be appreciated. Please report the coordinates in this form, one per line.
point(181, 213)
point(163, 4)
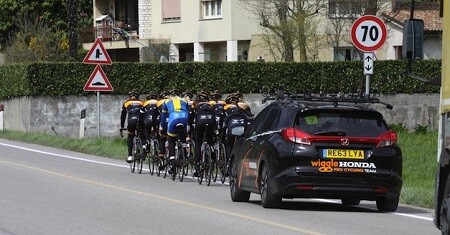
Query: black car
point(324, 147)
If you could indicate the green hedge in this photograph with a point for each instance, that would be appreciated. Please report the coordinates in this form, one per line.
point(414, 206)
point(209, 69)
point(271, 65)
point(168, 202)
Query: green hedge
point(57, 79)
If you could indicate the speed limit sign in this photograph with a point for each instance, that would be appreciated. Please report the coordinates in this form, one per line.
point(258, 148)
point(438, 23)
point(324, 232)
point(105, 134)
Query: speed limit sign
point(368, 33)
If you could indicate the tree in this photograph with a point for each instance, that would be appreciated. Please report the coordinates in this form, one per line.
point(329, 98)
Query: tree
point(287, 21)
point(35, 42)
point(342, 14)
point(71, 27)
point(50, 12)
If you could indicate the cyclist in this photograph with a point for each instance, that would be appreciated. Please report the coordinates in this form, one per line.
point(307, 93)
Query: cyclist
point(175, 111)
point(218, 105)
point(151, 115)
point(188, 96)
point(133, 108)
point(162, 138)
point(205, 124)
point(243, 105)
point(234, 116)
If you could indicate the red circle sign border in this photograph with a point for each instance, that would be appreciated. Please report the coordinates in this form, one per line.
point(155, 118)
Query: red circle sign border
point(355, 40)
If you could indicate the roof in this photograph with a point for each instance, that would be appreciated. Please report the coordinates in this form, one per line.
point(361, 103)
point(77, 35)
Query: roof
point(428, 12)
point(103, 17)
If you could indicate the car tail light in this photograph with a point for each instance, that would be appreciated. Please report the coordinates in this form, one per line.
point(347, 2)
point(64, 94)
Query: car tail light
point(381, 189)
point(304, 187)
point(387, 139)
point(296, 136)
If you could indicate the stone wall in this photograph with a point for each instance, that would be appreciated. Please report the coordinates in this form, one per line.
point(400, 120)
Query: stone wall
point(62, 115)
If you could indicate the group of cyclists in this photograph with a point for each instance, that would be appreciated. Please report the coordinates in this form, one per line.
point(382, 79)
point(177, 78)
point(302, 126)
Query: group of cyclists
point(174, 115)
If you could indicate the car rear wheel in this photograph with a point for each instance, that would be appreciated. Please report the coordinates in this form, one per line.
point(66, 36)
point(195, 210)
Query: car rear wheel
point(350, 201)
point(268, 199)
point(237, 195)
point(387, 204)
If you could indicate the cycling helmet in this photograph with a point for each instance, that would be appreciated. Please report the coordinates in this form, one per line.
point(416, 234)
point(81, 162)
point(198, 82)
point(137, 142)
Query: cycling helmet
point(202, 96)
point(188, 94)
point(232, 99)
point(151, 95)
point(238, 95)
point(216, 95)
point(163, 95)
point(175, 92)
point(134, 93)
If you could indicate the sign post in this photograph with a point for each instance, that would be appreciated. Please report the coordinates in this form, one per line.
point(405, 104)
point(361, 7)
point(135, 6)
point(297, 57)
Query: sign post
point(368, 34)
point(98, 80)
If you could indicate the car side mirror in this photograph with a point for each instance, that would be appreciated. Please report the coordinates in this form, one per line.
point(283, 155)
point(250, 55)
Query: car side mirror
point(413, 39)
point(412, 49)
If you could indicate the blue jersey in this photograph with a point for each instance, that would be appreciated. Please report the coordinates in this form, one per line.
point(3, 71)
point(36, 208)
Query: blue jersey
point(174, 111)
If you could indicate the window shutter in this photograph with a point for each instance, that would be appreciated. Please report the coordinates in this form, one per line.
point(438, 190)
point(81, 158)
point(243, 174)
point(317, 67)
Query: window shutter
point(171, 9)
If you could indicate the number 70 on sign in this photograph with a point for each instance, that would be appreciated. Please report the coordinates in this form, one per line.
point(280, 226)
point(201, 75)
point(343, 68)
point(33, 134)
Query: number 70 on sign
point(368, 33)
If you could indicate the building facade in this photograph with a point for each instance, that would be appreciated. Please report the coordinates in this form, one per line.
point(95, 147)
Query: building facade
point(219, 30)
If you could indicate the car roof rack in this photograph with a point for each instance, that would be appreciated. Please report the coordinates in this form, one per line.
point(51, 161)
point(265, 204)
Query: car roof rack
point(279, 94)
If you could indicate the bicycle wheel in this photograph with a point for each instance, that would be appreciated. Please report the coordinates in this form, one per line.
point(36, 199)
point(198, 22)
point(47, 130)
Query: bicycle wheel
point(209, 166)
point(222, 162)
point(180, 161)
point(191, 156)
point(215, 165)
point(141, 163)
point(151, 157)
point(158, 163)
point(166, 164)
point(139, 155)
point(134, 153)
point(203, 160)
point(173, 166)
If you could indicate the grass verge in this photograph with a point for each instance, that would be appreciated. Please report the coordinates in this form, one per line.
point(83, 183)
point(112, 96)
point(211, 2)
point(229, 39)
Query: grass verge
point(419, 157)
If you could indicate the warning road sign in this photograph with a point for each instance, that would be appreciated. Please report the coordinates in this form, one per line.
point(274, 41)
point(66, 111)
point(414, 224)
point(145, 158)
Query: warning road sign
point(98, 81)
point(97, 54)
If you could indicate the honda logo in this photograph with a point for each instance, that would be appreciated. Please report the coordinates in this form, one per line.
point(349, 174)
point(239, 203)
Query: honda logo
point(345, 142)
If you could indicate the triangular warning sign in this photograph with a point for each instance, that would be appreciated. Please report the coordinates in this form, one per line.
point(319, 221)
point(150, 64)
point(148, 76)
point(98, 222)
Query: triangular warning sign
point(98, 81)
point(97, 54)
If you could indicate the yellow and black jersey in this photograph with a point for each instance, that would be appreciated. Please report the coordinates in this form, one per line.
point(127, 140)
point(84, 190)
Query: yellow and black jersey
point(243, 105)
point(230, 106)
point(160, 103)
point(150, 104)
point(132, 108)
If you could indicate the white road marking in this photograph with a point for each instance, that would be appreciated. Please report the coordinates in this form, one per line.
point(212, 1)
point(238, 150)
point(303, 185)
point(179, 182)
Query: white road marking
point(127, 166)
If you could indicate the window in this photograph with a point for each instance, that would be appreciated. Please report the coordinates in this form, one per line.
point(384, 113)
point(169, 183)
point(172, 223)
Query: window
point(211, 9)
point(171, 10)
point(258, 122)
point(347, 54)
point(358, 123)
point(345, 9)
point(398, 52)
point(127, 13)
point(272, 121)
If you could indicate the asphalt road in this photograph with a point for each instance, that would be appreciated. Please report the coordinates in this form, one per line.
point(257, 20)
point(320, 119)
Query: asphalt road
point(51, 191)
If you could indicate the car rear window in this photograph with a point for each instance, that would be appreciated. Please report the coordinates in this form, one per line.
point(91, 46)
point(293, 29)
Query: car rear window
point(342, 123)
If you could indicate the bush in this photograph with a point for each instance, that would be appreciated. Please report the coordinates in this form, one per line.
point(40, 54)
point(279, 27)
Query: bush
point(56, 79)
point(398, 127)
point(421, 129)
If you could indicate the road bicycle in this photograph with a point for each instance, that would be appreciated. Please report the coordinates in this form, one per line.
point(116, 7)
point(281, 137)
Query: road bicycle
point(182, 150)
point(154, 161)
point(179, 164)
point(205, 164)
point(137, 152)
point(190, 156)
point(221, 163)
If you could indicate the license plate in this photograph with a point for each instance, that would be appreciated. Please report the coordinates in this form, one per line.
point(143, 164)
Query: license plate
point(343, 154)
